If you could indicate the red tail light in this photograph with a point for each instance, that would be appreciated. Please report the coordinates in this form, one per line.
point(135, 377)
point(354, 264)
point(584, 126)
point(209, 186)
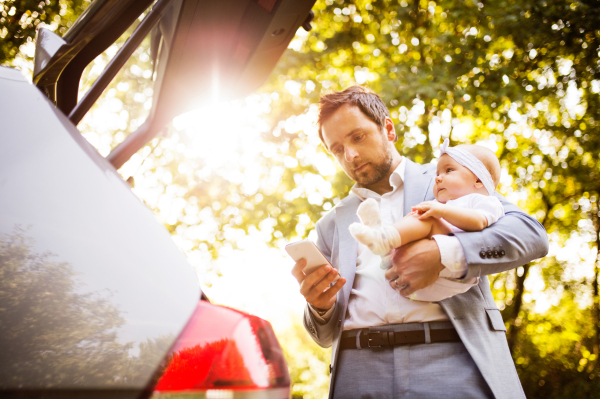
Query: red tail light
point(224, 353)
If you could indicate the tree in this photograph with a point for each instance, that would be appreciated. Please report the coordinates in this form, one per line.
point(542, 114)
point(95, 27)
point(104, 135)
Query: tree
point(48, 331)
point(20, 18)
point(54, 335)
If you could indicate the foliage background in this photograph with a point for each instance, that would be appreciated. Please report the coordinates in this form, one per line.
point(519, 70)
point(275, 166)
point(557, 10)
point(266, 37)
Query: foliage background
point(520, 77)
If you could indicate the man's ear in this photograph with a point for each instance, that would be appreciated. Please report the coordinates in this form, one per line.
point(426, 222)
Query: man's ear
point(390, 130)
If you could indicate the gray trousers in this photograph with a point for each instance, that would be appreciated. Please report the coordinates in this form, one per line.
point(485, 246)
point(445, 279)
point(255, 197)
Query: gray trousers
point(425, 371)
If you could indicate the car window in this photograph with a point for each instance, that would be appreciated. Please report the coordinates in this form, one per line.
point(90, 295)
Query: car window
point(125, 103)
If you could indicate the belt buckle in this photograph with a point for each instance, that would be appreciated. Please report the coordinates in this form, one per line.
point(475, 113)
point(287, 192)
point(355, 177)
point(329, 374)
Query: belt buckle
point(374, 336)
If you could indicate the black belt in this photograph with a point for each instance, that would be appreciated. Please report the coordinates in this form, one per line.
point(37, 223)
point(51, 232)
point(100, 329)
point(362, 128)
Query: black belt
point(383, 339)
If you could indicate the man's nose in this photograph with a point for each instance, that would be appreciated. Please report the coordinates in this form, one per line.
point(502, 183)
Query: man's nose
point(350, 154)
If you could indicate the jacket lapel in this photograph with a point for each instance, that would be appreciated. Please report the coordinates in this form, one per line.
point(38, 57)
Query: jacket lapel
point(418, 184)
point(345, 214)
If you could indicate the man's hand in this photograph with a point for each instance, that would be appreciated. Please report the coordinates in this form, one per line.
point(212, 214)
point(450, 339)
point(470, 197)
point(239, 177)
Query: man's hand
point(315, 287)
point(414, 266)
point(429, 209)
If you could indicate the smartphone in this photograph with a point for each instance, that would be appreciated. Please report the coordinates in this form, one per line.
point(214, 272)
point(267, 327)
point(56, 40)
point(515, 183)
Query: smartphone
point(306, 249)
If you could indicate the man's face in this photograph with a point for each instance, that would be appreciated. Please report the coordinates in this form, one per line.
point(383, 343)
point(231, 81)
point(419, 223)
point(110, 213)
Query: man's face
point(359, 145)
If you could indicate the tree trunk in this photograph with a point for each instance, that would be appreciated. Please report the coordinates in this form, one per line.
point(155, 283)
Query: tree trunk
point(513, 312)
point(596, 303)
point(513, 330)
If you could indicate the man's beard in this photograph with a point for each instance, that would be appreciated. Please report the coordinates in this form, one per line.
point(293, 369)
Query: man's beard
point(380, 171)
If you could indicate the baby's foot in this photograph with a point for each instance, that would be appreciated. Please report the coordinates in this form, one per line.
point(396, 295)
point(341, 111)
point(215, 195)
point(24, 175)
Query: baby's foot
point(368, 213)
point(380, 241)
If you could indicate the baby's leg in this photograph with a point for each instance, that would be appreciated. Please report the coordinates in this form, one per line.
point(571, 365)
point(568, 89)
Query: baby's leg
point(411, 228)
point(440, 226)
point(382, 240)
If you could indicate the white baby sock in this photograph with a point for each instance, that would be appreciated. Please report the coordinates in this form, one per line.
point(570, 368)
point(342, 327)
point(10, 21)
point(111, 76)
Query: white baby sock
point(380, 241)
point(368, 213)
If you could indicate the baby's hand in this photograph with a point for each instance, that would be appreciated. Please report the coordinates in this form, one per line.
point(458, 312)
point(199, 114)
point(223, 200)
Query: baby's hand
point(429, 209)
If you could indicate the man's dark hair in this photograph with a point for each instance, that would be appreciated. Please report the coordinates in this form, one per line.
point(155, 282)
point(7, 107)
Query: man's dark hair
point(365, 99)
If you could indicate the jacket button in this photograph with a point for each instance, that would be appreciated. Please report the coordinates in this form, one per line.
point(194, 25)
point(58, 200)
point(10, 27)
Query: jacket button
point(330, 369)
point(488, 253)
point(482, 254)
point(339, 323)
point(502, 253)
point(495, 253)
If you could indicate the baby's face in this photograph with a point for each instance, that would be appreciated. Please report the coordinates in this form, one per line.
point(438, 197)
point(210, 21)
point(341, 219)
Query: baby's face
point(454, 180)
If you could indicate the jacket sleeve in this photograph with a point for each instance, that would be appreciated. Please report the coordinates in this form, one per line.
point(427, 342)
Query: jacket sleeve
point(517, 235)
point(323, 334)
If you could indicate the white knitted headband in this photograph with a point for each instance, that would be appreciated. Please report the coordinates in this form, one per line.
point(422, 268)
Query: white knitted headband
point(470, 162)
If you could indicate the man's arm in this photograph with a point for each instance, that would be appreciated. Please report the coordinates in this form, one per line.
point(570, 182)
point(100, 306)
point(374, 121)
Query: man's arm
point(417, 265)
point(312, 288)
point(520, 236)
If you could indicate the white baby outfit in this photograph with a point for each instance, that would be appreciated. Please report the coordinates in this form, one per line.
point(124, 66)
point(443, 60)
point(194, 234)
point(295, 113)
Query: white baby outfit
point(489, 206)
point(445, 287)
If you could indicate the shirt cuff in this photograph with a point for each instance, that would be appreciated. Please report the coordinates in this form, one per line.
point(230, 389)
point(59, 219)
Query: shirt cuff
point(321, 319)
point(452, 256)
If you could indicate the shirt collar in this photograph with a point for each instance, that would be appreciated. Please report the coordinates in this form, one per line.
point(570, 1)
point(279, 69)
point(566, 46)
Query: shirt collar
point(396, 181)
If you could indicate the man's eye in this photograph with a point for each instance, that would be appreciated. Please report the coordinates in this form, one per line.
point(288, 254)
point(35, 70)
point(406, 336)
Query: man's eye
point(337, 150)
point(357, 138)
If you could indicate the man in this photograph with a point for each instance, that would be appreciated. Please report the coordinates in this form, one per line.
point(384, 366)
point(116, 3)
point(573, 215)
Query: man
point(384, 345)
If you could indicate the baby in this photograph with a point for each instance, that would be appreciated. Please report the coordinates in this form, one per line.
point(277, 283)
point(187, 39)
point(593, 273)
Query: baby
point(467, 177)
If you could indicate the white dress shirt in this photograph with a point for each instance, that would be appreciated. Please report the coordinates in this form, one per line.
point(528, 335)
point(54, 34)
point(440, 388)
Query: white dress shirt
point(372, 301)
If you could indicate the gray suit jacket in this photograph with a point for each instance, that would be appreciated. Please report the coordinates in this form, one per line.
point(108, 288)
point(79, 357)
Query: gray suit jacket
point(473, 313)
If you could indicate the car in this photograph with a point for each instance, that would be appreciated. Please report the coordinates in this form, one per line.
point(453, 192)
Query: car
point(95, 298)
